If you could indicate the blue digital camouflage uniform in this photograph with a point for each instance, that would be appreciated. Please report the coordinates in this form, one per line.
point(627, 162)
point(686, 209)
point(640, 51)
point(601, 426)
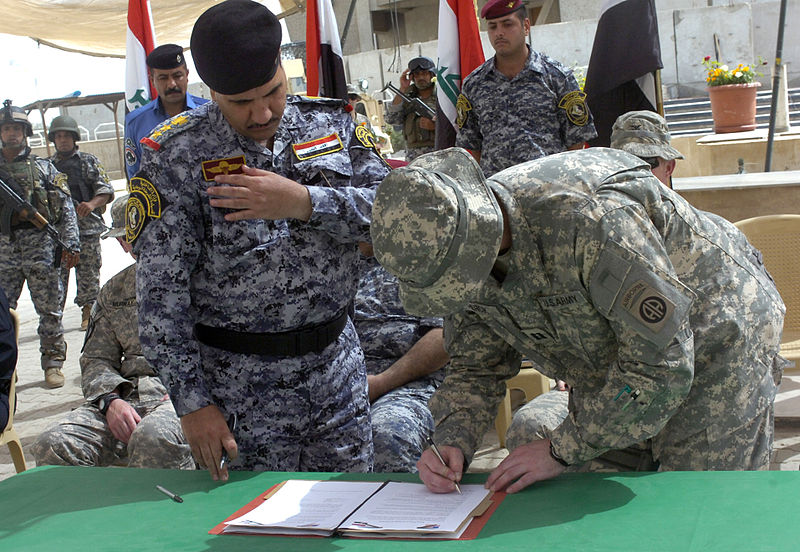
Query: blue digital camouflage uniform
point(662, 319)
point(112, 360)
point(539, 112)
point(86, 179)
point(307, 412)
point(140, 122)
point(29, 255)
point(418, 140)
point(401, 420)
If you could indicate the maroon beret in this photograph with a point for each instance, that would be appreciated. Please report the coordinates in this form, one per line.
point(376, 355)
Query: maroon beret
point(500, 8)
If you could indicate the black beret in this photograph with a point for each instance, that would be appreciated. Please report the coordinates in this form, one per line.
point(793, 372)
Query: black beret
point(166, 56)
point(236, 46)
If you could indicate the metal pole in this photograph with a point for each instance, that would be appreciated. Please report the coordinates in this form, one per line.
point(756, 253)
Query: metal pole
point(776, 79)
point(347, 22)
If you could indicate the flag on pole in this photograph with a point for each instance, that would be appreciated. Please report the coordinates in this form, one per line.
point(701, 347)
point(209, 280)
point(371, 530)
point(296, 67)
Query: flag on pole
point(140, 42)
point(625, 57)
point(324, 66)
point(459, 53)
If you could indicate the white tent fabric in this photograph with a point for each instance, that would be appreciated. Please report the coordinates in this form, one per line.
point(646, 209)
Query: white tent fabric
point(98, 27)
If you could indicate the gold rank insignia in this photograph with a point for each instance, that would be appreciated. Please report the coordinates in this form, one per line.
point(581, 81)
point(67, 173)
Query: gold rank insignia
point(463, 107)
point(144, 204)
point(574, 105)
point(510, 4)
point(215, 167)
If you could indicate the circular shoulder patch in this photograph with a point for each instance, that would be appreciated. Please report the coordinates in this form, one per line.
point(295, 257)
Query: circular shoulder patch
point(574, 105)
point(365, 136)
point(463, 107)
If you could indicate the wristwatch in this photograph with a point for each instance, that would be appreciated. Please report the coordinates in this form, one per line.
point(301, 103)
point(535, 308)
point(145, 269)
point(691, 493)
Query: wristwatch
point(104, 401)
point(556, 457)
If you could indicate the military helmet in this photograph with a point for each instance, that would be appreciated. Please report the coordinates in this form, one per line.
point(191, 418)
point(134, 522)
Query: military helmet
point(63, 122)
point(13, 114)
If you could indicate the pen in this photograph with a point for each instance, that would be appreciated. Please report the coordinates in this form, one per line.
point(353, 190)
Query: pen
point(232, 426)
point(435, 450)
point(169, 493)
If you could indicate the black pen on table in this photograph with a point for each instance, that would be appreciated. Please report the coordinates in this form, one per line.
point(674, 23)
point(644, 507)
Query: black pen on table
point(232, 426)
point(435, 450)
point(169, 493)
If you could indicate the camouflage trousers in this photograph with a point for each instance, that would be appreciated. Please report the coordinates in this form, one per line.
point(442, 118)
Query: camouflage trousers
point(87, 272)
point(413, 153)
point(401, 423)
point(29, 258)
point(83, 438)
point(748, 447)
point(307, 413)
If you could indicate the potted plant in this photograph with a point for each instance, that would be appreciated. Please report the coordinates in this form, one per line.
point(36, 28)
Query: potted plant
point(732, 92)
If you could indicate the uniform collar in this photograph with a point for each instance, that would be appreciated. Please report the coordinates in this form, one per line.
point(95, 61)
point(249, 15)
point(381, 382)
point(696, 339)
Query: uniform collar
point(534, 64)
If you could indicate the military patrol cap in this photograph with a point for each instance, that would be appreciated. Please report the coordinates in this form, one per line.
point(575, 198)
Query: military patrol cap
point(421, 63)
point(644, 134)
point(500, 8)
point(236, 46)
point(166, 56)
point(117, 218)
point(437, 226)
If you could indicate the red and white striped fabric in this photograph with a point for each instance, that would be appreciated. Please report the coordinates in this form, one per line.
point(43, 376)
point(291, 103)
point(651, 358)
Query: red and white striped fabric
point(140, 42)
point(459, 52)
point(324, 52)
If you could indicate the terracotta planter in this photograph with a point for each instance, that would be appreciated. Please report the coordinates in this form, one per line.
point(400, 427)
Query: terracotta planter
point(733, 107)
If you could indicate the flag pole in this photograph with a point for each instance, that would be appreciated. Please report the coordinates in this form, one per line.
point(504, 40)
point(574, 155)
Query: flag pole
point(659, 94)
point(776, 79)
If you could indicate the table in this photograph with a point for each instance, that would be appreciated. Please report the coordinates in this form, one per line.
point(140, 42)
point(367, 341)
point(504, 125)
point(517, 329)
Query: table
point(70, 508)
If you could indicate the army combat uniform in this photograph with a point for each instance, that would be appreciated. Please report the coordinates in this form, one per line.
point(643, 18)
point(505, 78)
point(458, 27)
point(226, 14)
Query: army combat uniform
point(539, 112)
point(112, 360)
point(86, 179)
point(401, 420)
point(207, 286)
point(418, 140)
point(661, 318)
point(30, 255)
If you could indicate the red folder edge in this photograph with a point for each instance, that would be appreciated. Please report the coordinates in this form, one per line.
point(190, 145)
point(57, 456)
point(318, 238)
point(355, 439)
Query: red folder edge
point(471, 533)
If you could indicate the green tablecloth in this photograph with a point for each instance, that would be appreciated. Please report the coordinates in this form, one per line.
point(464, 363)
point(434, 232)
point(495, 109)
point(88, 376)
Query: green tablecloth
point(108, 509)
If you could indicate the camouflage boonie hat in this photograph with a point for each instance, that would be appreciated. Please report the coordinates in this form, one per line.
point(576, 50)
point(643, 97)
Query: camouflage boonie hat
point(644, 134)
point(437, 226)
point(117, 229)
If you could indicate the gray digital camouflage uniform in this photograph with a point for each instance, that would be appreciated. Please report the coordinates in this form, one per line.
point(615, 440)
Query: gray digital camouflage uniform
point(401, 420)
point(307, 412)
point(661, 318)
point(29, 256)
point(86, 178)
point(418, 140)
point(538, 112)
point(112, 359)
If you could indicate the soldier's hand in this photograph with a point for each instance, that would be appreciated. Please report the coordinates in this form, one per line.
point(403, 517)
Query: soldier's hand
point(208, 434)
point(259, 194)
point(69, 260)
point(122, 419)
point(83, 209)
point(525, 465)
point(405, 80)
point(436, 476)
point(427, 124)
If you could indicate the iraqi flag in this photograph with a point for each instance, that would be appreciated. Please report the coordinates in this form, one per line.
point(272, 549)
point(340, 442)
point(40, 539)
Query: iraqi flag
point(140, 42)
point(625, 56)
point(459, 53)
point(324, 67)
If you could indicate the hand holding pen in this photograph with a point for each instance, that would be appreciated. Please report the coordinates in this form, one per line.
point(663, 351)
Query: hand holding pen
point(426, 471)
point(232, 423)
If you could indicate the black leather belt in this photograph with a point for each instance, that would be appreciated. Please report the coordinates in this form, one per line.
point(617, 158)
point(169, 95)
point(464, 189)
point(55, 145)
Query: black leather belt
point(309, 339)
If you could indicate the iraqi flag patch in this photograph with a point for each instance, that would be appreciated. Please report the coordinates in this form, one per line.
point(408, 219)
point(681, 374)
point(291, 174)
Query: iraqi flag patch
point(318, 146)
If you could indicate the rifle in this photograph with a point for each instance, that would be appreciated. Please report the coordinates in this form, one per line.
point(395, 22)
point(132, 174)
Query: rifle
point(28, 213)
point(92, 214)
point(418, 105)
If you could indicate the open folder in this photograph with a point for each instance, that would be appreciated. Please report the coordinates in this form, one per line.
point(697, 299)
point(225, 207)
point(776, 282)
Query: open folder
point(368, 509)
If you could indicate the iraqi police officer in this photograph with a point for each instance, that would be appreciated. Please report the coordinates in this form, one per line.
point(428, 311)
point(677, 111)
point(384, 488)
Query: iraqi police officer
point(417, 81)
point(169, 76)
point(245, 216)
point(128, 417)
point(665, 325)
point(520, 104)
point(27, 254)
point(91, 191)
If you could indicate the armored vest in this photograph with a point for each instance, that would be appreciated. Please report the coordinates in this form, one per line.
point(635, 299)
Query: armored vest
point(34, 188)
point(78, 180)
point(415, 136)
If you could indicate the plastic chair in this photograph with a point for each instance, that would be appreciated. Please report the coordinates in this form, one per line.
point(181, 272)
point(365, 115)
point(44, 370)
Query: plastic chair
point(531, 383)
point(778, 239)
point(9, 436)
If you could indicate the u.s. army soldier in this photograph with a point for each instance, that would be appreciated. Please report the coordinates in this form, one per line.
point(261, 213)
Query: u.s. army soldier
point(664, 325)
point(249, 210)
